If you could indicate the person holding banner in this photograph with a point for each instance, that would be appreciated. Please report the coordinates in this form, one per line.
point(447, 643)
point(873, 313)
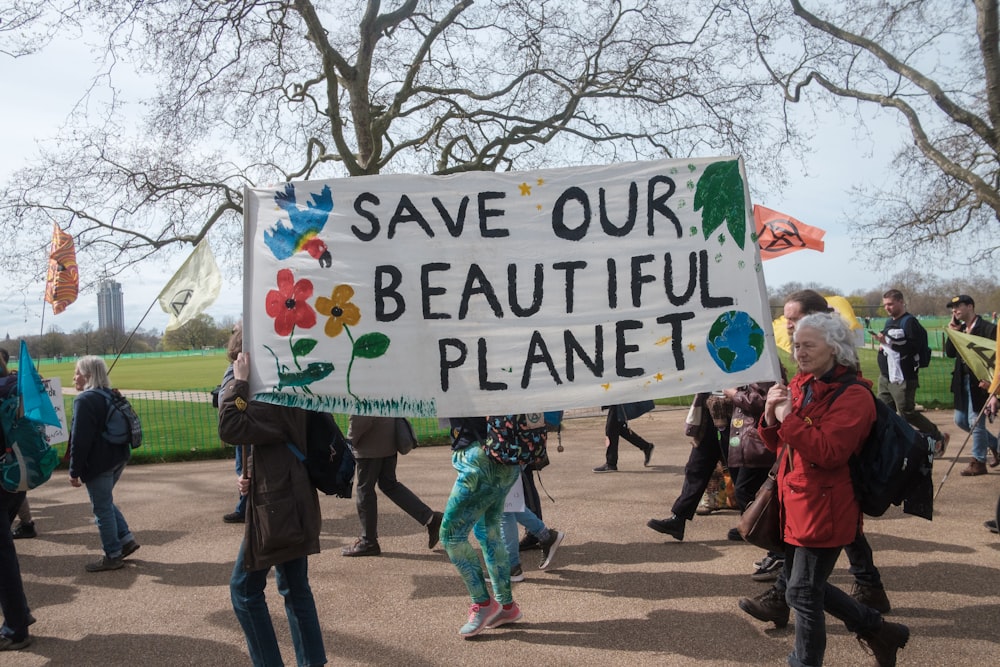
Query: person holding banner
point(814, 425)
point(282, 524)
point(971, 393)
point(771, 605)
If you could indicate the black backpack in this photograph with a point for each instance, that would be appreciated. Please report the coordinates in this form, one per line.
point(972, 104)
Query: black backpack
point(924, 355)
point(894, 464)
point(122, 424)
point(328, 459)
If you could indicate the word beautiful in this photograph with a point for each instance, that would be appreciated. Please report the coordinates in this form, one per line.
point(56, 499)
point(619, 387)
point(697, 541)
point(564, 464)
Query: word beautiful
point(547, 290)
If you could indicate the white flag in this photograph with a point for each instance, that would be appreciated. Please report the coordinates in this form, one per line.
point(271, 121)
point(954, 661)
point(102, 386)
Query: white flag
point(193, 288)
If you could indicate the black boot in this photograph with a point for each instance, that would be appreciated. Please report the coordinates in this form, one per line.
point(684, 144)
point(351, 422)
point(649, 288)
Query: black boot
point(884, 642)
point(672, 526)
point(769, 606)
point(872, 596)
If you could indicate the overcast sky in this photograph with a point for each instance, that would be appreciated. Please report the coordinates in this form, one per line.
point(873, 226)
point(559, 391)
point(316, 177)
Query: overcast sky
point(837, 161)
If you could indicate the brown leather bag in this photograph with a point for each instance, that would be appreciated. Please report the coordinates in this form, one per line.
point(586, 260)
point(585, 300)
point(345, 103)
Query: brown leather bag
point(760, 523)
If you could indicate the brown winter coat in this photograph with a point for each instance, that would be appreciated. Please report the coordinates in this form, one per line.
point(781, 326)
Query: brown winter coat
point(283, 513)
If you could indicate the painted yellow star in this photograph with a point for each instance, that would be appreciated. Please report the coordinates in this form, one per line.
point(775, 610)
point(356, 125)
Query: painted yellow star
point(659, 377)
point(539, 207)
point(606, 386)
point(525, 189)
point(663, 341)
point(540, 181)
point(692, 347)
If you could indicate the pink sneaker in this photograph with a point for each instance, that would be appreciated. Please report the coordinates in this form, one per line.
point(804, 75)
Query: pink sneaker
point(505, 616)
point(480, 617)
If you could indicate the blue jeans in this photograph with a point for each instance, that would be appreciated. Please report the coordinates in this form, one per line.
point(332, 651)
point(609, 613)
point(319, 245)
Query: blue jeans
point(111, 524)
point(810, 595)
point(982, 439)
point(246, 589)
point(508, 527)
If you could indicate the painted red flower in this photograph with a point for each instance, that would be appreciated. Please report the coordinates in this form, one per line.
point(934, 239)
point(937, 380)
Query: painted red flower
point(287, 304)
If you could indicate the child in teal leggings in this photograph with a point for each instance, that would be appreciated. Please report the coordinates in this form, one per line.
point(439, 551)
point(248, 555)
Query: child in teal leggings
point(476, 502)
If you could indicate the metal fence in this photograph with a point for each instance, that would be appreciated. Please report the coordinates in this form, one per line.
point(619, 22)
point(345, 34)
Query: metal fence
point(178, 425)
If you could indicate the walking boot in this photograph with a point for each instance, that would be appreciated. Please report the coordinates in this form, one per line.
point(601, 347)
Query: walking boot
point(872, 596)
point(672, 526)
point(885, 642)
point(769, 606)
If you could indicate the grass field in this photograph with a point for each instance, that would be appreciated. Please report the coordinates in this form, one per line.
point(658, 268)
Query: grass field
point(173, 373)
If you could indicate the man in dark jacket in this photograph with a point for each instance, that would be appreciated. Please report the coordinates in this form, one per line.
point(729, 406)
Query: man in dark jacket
point(970, 393)
point(899, 366)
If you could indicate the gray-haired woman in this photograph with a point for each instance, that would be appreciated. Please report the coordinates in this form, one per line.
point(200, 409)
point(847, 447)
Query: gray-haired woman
point(98, 464)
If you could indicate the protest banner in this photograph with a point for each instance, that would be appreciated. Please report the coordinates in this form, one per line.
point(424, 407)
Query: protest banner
point(490, 293)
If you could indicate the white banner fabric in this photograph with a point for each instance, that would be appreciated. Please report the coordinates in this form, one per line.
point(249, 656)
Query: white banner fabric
point(495, 293)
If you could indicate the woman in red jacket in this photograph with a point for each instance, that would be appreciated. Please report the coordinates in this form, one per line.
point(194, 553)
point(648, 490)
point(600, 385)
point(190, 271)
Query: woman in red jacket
point(814, 436)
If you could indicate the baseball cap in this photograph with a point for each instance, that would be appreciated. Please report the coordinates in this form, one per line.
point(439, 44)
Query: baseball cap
point(961, 298)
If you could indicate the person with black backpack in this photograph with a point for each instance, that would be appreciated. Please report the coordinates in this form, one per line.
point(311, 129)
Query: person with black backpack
point(97, 463)
point(814, 435)
point(903, 351)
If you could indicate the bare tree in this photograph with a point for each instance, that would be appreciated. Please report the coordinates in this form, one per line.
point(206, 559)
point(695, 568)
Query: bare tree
point(253, 92)
point(936, 64)
point(193, 335)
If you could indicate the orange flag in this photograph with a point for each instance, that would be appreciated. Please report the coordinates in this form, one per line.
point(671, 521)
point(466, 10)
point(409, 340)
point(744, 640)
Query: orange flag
point(62, 282)
point(779, 234)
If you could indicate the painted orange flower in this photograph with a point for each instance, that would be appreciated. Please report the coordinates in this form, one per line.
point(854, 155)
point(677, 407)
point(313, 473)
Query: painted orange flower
point(339, 309)
point(287, 304)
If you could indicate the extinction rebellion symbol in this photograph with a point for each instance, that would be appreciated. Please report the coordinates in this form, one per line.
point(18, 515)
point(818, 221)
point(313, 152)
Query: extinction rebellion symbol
point(179, 300)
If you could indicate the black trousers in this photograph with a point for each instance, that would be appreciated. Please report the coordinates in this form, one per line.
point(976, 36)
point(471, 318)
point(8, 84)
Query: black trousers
point(711, 449)
point(616, 427)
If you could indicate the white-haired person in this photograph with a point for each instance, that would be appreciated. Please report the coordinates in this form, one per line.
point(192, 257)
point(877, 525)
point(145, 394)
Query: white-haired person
point(98, 464)
point(814, 425)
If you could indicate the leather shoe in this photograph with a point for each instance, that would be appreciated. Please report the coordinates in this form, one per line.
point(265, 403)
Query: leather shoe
point(607, 467)
point(975, 468)
point(993, 458)
point(672, 526)
point(992, 525)
point(362, 547)
point(647, 455)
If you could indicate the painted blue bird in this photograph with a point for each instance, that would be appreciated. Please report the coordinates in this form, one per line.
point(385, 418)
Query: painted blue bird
point(285, 241)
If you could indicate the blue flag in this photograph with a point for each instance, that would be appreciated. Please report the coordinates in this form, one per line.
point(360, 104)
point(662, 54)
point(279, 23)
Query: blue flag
point(36, 401)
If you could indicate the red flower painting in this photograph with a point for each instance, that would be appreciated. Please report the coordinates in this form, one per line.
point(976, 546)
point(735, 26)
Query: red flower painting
point(288, 306)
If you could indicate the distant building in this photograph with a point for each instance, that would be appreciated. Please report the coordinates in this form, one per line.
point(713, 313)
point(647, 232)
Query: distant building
point(110, 308)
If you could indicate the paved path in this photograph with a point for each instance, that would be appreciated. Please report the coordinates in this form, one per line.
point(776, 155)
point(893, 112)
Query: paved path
point(617, 593)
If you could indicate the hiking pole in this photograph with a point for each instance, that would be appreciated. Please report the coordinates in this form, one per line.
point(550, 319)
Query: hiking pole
point(961, 449)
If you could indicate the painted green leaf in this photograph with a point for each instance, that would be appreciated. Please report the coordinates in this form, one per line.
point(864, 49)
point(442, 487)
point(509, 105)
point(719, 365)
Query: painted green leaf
point(720, 198)
point(303, 346)
point(371, 345)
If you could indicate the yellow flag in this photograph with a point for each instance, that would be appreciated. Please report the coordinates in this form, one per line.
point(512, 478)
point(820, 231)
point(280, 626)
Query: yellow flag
point(978, 353)
point(193, 288)
point(838, 303)
point(996, 367)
